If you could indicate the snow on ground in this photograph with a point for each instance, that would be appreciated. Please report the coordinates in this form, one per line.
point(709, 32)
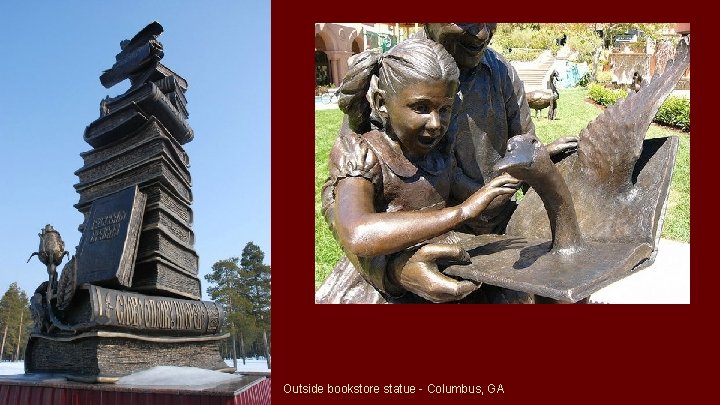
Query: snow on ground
point(186, 377)
point(251, 365)
point(12, 367)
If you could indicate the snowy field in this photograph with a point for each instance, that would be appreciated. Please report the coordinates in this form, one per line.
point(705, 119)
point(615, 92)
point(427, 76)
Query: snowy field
point(251, 365)
point(12, 367)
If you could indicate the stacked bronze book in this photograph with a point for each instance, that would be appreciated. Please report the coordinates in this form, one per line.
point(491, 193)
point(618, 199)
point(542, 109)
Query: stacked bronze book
point(130, 297)
point(146, 151)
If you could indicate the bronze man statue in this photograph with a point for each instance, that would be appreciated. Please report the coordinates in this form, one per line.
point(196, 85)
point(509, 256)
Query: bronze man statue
point(491, 108)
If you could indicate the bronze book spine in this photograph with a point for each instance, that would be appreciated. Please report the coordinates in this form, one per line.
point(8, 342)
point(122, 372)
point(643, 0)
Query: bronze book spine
point(122, 310)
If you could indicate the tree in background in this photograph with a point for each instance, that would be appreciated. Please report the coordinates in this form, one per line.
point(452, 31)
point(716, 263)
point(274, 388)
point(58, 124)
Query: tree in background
point(255, 293)
point(653, 31)
point(224, 286)
point(15, 323)
point(243, 286)
point(587, 39)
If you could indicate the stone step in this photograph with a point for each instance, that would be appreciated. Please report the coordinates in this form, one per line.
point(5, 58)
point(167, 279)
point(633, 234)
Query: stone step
point(535, 74)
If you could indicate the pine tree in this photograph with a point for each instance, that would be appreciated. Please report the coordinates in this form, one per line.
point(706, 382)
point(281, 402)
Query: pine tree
point(255, 291)
point(16, 320)
point(224, 284)
point(243, 286)
point(255, 282)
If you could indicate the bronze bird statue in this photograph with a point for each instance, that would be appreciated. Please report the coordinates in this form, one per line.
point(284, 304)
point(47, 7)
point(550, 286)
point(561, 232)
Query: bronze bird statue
point(542, 99)
point(637, 83)
point(528, 159)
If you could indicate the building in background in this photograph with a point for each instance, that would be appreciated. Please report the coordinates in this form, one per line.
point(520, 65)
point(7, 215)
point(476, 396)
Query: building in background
point(335, 43)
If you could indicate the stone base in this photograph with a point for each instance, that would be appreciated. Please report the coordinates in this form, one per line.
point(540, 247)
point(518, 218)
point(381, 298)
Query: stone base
point(26, 389)
point(107, 356)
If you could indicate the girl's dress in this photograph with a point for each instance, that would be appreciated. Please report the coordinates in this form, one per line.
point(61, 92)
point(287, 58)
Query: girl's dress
point(398, 184)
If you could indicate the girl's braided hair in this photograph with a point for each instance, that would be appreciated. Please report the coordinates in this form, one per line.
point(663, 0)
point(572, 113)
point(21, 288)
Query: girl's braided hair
point(371, 71)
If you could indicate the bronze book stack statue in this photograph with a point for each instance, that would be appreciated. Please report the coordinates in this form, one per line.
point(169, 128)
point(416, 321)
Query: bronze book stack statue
point(129, 299)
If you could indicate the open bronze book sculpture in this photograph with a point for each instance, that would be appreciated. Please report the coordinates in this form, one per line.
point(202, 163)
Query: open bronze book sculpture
point(129, 298)
point(589, 220)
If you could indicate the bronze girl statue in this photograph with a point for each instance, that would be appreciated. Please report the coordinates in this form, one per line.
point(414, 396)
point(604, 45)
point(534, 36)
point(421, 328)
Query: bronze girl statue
point(393, 175)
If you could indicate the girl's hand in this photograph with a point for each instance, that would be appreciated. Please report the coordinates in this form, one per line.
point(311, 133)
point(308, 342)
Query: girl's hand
point(504, 185)
point(418, 273)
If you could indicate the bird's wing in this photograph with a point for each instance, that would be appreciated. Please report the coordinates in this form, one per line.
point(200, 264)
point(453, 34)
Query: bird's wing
point(611, 144)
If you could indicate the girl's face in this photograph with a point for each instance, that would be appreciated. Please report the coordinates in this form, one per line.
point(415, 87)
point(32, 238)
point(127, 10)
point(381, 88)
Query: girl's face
point(418, 115)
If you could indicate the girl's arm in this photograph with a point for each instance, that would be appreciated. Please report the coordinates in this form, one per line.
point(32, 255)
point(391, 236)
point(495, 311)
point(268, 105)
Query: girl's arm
point(365, 232)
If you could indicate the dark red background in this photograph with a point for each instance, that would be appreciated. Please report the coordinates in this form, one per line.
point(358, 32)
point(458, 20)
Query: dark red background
point(562, 354)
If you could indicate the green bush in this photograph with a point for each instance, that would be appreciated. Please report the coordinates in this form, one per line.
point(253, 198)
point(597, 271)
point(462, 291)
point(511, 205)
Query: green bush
point(675, 112)
point(585, 44)
point(604, 96)
point(585, 80)
point(603, 77)
point(533, 36)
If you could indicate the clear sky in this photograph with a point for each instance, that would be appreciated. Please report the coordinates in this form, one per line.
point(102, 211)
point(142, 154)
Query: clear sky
point(51, 57)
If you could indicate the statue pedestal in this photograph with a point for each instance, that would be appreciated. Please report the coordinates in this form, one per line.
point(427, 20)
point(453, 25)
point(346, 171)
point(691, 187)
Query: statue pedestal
point(106, 334)
point(106, 356)
point(49, 389)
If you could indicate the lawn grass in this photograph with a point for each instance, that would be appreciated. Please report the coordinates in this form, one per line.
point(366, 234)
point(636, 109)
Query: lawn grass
point(327, 250)
point(573, 114)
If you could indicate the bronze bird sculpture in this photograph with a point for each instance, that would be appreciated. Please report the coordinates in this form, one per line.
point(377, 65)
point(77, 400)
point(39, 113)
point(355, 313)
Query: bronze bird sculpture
point(528, 159)
point(637, 83)
point(542, 99)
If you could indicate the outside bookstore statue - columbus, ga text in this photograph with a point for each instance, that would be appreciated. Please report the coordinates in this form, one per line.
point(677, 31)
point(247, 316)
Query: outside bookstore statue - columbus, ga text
point(393, 389)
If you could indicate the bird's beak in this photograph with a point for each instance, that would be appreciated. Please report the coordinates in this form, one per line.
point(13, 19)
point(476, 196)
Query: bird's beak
point(520, 154)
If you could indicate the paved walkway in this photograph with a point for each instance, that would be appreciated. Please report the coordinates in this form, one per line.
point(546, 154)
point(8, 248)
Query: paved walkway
point(319, 105)
point(667, 281)
point(681, 93)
